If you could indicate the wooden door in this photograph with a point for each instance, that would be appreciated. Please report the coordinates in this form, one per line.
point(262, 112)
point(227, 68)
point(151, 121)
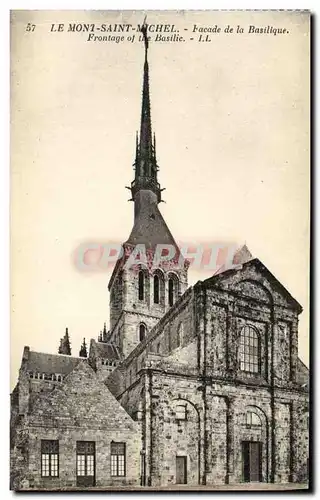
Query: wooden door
point(181, 470)
point(251, 457)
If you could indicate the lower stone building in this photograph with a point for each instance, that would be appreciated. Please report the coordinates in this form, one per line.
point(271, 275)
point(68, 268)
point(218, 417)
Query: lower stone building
point(67, 430)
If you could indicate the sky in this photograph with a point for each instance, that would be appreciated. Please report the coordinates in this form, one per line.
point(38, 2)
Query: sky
point(231, 118)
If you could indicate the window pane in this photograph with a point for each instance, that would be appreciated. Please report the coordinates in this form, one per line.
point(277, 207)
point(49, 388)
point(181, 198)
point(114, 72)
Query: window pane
point(45, 465)
point(114, 462)
point(54, 465)
point(255, 419)
point(81, 465)
point(90, 465)
point(121, 465)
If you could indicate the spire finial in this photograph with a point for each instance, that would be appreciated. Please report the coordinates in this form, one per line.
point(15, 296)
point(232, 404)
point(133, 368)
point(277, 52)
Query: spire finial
point(83, 353)
point(144, 29)
point(145, 163)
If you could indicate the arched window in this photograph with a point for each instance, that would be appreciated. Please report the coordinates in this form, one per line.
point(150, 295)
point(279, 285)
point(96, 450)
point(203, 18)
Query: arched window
point(141, 285)
point(252, 419)
point(249, 350)
point(173, 287)
point(142, 332)
point(180, 335)
point(156, 289)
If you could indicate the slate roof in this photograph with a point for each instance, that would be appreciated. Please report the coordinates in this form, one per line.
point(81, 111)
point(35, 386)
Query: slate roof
point(85, 399)
point(107, 351)
point(50, 363)
point(149, 226)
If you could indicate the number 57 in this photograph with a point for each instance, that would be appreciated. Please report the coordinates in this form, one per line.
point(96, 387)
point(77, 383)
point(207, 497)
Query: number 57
point(30, 27)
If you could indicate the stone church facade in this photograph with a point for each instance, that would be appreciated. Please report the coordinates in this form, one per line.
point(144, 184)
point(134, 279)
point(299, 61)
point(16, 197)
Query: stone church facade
point(197, 385)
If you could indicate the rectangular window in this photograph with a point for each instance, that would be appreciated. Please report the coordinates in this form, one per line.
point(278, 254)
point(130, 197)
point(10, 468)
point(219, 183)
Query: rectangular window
point(49, 458)
point(118, 459)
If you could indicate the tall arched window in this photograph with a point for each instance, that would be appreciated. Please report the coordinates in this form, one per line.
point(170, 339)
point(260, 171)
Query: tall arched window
point(156, 289)
point(249, 350)
point(141, 285)
point(171, 291)
point(142, 332)
point(173, 287)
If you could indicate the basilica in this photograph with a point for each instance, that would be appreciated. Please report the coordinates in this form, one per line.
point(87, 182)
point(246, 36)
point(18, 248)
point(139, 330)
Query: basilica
point(190, 385)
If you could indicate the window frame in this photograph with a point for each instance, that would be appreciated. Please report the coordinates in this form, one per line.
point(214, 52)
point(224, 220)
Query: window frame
point(115, 462)
point(84, 459)
point(54, 443)
point(249, 350)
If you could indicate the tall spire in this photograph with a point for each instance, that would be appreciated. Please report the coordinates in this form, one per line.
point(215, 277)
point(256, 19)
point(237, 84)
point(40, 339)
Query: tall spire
point(145, 162)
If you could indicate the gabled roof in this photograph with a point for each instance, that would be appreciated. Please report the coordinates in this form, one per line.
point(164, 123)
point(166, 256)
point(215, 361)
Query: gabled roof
point(221, 277)
point(48, 363)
